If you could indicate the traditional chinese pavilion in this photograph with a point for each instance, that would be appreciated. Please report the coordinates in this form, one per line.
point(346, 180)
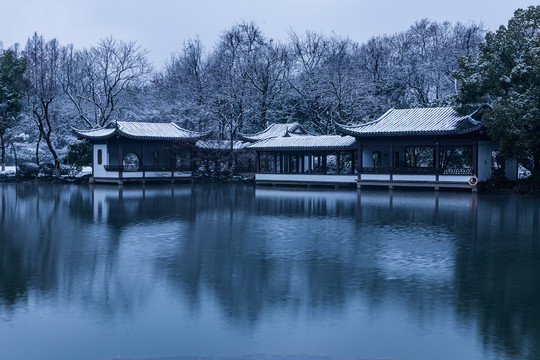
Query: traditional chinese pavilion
point(274, 131)
point(424, 147)
point(140, 151)
point(434, 147)
point(288, 154)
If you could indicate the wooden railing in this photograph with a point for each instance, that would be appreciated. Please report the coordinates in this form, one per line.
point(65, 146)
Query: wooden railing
point(417, 171)
point(134, 168)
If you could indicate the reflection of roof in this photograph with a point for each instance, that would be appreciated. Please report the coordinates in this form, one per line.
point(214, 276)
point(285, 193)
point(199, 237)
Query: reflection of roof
point(142, 131)
point(275, 130)
point(319, 142)
point(421, 121)
point(220, 145)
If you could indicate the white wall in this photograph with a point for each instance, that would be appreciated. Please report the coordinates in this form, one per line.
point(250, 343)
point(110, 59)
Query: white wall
point(99, 170)
point(484, 158)
point(399, 177)
point(511, 169)
point(304, 178)
point(485, 148)
point(367, 155)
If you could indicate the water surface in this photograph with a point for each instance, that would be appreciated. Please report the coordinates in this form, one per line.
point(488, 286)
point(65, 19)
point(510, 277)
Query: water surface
point(225, 270)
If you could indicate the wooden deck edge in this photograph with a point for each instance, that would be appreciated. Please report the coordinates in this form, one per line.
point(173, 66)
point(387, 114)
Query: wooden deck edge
point(142, 180)
point(404, 183)
point(305, 183)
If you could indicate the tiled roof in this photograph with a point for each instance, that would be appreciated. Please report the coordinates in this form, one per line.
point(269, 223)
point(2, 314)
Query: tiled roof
point(421, 121)
point(274, 130)
point(142, 131)
point(95, 134)
point(220, 145)
point(320, 142)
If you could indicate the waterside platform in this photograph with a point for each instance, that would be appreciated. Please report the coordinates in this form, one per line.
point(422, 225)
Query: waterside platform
point(416, 181)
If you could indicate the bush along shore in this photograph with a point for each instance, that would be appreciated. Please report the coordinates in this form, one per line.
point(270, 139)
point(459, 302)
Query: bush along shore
point(498, 183)
point(29, 171)
point(44, 172)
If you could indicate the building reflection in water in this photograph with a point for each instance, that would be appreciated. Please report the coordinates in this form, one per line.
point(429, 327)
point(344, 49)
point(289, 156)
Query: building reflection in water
point(257, 252)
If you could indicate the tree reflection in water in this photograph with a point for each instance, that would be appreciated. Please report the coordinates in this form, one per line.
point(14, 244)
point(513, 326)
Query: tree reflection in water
point(263, 251)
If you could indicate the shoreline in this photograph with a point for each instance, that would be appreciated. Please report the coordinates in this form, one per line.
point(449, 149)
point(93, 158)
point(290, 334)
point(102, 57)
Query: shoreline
point(495, 185)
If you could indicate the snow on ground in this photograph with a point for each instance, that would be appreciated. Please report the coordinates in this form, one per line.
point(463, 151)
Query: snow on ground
point(10, 170)
point(86, 170)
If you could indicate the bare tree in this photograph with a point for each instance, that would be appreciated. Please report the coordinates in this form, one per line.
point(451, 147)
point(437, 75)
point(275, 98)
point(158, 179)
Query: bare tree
point(184, 85)
point(268, 70)
point(44, 90)
point(309, 54)
point(228, 69)
point(328, 79)
point(94, 79)
point(425, 56)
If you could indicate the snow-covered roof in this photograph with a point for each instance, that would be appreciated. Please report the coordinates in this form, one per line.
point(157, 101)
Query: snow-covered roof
point(95, 134)
point(319, 142)
point(275, 130)
point(220, 144)
point(142, 131)
point(420, 121)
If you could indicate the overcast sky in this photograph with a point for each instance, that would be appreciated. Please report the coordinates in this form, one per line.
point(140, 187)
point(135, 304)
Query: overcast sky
point(161, 26)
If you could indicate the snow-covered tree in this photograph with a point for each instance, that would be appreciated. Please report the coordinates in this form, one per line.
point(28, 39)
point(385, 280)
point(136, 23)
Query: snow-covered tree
point(506, 75)
point(229, 69)
point(327, 79)
point(184, 87)
point(95, 79)
point(267, 72)
point(44, 92)
point(12, 68)
point(424, 59)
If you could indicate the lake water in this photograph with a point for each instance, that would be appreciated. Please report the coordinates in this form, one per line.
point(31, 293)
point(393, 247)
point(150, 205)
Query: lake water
point(229, 270)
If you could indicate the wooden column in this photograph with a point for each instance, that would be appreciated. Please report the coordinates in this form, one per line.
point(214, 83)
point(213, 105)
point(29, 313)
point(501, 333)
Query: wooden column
point(192, 164)
point(360, 160)
point(120, 158)
point(324, 163)
point(475, 157)
point(258, 165)
point(437, 159)
point(281, 163)
point(352, 162)
point(143, 147)
point(290, 168)
point(275, 162)
point(338, 162)
point(391, 160)
point(171, 160)
point(310, 163)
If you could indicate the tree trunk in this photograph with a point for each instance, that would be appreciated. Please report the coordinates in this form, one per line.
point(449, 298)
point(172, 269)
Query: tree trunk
point(47, 137)
point(37, 148)
point(57, 171)
point(3, 153)
point(55, 157)
point(42, 120)
point(15, 157)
